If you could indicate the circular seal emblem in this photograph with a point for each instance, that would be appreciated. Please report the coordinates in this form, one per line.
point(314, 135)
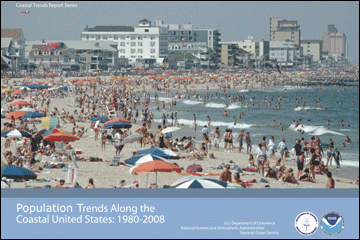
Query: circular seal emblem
point(306, 223)
point(332, 223)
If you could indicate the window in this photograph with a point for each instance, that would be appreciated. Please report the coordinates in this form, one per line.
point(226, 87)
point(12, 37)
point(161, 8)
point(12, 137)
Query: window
point(133, 43)
point(152, 50)
point(139, 56)
point(139, 50)
point(210, 38)
point(210, 33)
point(36, 53)
point(152, 37)
point(97, 37)
point(140, 44)
point(87, 36)
point(122, 44)
point(49, 59)
point(152, 44)
point(132, 56)
point(146, 30)
point(139, 37)
point(105, 37)
point(56, 52)
point(122, 37)
point(244, 47)
point(133, 37)
point(308, 50)
point(116, 37)
point(176, 47)
point(133, 50)
point(82, 59)
point(189, 46)
point(152, 56)
point(170, 47)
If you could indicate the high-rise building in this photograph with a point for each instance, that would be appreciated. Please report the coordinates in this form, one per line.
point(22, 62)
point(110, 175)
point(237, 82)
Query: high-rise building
point(284, 30)
point(334, 43)
point(312, 48)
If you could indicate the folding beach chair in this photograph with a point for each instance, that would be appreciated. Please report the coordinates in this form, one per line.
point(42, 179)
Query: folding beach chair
point(115, 161)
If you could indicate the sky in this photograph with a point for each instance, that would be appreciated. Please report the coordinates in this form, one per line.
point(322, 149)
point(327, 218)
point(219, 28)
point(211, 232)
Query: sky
point(235, 19)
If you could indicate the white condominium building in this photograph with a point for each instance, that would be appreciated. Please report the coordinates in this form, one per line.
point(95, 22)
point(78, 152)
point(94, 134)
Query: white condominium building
point(136, 44)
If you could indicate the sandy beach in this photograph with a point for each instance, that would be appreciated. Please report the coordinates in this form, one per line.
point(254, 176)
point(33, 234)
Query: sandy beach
point(105, 176)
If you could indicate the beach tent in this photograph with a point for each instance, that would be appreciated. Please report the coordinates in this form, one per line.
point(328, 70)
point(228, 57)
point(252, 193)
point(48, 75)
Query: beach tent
point(14, 172)
point(161, 152)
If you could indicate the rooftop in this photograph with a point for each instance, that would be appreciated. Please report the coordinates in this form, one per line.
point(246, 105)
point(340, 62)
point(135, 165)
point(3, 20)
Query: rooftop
point(110, 29)
point(10, 33)
point(79, 44)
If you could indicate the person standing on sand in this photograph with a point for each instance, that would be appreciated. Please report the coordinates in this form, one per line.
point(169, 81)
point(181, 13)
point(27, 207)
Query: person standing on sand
point(217, 138)
point(240, 139)
point(261, 157)
point(96, 129)
point(103, 141)
point(337, 157)
point(248, 143)
point(194, 117)
point(330, 182)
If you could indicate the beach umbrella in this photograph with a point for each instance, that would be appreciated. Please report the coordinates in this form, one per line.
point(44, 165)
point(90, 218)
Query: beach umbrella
point(3, 116)
point(155, 166)
point(17, 91)
point(170, 129)
point(33, 115)
point(61, 137)
point(14, 172)
point(137, 160)
point(6, 79)
point(16, 134)
point(132, 138)
point(21, 103)
point(194, 168)
point(103, 119)
point(202, 183)
point(27, 109)
point(6, 90)
point(117, 120)
point(161, 152)
point(4, 185)
point(62, 88)
point(16, 114)
point(33, 86)
point(49, 122)
point(118, 125)
point(52, 131)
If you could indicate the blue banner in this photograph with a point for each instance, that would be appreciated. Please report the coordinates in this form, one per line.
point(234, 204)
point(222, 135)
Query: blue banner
point(191, 217)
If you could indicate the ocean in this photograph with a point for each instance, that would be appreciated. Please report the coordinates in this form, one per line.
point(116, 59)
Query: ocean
point(258, 120)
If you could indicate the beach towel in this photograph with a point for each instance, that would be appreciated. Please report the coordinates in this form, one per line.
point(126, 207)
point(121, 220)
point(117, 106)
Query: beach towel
point(71, 176)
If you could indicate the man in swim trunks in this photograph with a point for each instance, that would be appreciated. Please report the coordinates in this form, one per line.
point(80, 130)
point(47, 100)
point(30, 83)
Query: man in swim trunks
point(330, 182)
point(240, 139)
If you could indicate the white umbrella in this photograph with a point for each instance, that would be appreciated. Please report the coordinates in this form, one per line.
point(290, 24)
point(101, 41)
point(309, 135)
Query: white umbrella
point(170, 129)
point(202, 183)
point(132, 138)
point(27, 109)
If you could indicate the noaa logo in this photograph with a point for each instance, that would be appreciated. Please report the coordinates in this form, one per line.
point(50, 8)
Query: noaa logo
point(332, 223)
point(306, 223)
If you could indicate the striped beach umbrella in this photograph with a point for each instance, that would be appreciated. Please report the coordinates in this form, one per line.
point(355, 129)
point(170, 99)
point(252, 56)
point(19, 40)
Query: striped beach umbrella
point(143, 158)
point(201, 183)
point(52, 131)
point(16, 134)
point(161, 152)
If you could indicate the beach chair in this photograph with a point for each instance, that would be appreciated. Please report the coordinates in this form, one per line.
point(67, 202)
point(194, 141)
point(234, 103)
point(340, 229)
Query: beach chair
point(110, 113)
point(115, 161)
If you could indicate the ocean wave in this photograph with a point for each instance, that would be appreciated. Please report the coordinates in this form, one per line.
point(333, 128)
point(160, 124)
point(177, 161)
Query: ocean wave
point(233, 106)
point(314, 130)
point(307, 108)
point(200, 124)
point(215, 105)
point(190, 102)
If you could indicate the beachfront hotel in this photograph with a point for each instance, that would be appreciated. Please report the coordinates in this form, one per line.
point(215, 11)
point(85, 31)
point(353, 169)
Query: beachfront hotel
point(141, 45)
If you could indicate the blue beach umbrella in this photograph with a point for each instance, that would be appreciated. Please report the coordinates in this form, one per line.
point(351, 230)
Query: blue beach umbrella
point(33, 86)
point(103, 119)
point(3, 116)
point(143, 158)
point(201, 183)
point(62, 88)
point(14, 172)
point(164, 153)
point(118, 125)
point(16, 134)
point(33, 115)
point(43, 86)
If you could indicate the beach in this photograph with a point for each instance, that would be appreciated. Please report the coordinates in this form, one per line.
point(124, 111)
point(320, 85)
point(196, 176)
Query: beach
point(106, 176)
